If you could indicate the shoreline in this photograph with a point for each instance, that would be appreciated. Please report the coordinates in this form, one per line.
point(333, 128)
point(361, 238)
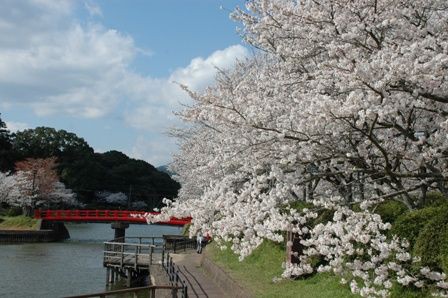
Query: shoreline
point(45, 232)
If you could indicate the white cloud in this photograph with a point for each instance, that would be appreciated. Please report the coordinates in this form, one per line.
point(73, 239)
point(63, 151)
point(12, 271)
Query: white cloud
point(157, 151)
point(16, 126)
point(93, 9)
point(158, 98)
point(53, 64)
point(155, 112)
point(201, 72)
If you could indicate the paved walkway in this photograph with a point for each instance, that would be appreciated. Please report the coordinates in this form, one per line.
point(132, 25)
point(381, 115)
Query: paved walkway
point(199, 283)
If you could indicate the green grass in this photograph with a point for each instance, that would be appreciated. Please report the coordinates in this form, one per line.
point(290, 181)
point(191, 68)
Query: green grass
point(256, 272)
point(18, 223)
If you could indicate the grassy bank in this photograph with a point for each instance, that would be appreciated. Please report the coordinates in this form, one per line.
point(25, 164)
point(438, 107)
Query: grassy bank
point(17, 223)
point(256, 272)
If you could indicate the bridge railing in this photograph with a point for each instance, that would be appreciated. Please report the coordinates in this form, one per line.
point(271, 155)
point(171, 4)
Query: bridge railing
point(91, 214)
point(103, 215)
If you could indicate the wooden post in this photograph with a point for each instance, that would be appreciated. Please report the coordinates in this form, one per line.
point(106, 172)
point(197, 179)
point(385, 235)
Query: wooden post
point(112, 277)
point(107, 275)
point(185, 291)
point(150, 254)
point(136, 258)
point(129, 278)
point(122, 254)
point(174, 292)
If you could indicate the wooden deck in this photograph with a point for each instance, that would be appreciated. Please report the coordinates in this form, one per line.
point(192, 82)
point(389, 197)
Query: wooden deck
point(131, 261)
point(131, 255)
point(151, 257)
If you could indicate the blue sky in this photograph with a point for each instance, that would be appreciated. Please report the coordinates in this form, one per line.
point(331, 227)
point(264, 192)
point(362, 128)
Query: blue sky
point(105, 69)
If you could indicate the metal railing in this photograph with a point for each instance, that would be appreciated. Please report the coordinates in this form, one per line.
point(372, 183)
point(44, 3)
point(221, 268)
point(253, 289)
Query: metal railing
point(177, 243)
point(173, 274)
point(152, 240)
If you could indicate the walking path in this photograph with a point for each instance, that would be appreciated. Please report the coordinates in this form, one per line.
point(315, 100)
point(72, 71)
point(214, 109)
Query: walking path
point(199, 282)
point(202, 277)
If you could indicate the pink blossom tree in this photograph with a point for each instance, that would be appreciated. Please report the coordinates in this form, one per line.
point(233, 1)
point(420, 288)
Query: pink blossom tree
point(345, 102)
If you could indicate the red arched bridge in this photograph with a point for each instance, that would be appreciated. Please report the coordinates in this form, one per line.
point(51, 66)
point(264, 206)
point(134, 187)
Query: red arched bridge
point(104, 216)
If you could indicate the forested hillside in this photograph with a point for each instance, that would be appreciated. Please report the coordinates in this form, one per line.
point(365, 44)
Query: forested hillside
point(98, 179)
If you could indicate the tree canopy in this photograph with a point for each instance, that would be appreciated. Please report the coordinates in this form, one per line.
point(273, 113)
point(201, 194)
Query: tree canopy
point(6, 153)
point(42, 142)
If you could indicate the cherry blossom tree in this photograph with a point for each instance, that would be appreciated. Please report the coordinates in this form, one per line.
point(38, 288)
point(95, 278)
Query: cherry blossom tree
point(344, 103)
point(37, 185)
point(114, 198)
point(7, 187)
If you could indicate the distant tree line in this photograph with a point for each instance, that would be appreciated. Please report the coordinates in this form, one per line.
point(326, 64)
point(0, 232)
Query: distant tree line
point(99, 180)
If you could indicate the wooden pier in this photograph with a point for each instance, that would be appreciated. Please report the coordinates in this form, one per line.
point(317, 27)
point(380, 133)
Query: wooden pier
point(131, 261)
point(132, 258)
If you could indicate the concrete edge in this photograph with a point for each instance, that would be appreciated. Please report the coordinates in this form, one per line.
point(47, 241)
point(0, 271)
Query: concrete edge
point(223, 279)
point(45, 232)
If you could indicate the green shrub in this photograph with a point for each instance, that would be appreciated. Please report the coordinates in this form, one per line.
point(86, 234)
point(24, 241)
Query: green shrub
point(14, 211)
point(443, 257)
point(435, 199)
point(390, 210)
point(409, 225)
point(431, 244)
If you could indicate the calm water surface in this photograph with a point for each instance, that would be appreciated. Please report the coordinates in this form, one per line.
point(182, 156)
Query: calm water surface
point(64, 268)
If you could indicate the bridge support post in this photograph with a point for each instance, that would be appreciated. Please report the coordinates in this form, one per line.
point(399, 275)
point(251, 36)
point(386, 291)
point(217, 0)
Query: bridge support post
point(120, 230)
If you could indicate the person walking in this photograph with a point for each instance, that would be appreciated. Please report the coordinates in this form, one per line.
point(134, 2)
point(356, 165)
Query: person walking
point(199, 239)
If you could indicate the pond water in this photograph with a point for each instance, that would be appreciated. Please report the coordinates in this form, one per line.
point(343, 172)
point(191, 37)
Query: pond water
point(59, 269)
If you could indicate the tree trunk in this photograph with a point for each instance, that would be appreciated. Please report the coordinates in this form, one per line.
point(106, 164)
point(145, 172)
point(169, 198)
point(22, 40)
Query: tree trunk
point(28, 211)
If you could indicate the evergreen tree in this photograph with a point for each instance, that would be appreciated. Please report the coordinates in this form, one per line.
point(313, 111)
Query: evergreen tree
point(6, 152)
